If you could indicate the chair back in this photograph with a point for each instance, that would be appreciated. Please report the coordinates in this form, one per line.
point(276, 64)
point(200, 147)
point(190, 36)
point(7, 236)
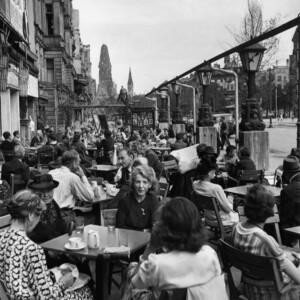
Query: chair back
point(170, 169)
point(251, 176)
point(16, 182)
point(278, 176)
point(209, 203)
point(256, 268)
point(275, 220)
point(163, 190)
point(176, 294)
point(109, 216)
point(3, 292)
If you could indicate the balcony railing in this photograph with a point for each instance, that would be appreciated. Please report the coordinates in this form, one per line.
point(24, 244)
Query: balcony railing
point(54, 41)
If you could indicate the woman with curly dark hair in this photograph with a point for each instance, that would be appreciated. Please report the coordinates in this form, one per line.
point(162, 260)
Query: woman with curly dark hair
point(251, 237)
point(186, 262)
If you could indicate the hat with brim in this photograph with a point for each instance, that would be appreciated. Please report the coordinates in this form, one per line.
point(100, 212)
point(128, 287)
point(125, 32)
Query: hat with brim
point(209, 151)
point(43, 182)
point(291, 165)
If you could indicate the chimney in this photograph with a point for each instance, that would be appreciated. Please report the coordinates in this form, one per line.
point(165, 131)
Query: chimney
point(276, 63)
point(287, 62)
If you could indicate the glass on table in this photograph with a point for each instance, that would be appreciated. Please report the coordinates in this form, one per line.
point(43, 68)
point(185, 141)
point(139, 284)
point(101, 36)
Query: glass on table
point(111, 222)
point(79, 224)
point(94, 164)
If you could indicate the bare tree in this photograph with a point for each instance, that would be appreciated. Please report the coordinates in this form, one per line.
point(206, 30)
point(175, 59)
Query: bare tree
point(254, 25)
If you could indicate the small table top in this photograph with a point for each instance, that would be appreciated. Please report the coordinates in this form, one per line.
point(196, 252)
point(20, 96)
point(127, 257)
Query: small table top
point(103, 168)
point(293, 230)
point(108, 238)
point(243, 190)
point(103, 196)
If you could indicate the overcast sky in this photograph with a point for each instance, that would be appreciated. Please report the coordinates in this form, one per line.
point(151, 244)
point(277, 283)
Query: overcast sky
point(160, 39)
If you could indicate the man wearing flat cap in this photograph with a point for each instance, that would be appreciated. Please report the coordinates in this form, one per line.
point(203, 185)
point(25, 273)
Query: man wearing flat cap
point(290, 197)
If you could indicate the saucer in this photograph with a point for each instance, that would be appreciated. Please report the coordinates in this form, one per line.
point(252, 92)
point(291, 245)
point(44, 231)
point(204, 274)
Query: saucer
point(82, 245)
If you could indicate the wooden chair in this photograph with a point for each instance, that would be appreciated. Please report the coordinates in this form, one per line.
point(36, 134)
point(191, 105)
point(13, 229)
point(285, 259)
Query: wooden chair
point(17, 182)
point(256, 269)
point(117, 266)
point(278, 176)
point(170, 170)
point(109, 216)
point(275, 220)
point(3, 292)
point(163, 191)
point(250, 176)
point(176, 294)
point(211, 203)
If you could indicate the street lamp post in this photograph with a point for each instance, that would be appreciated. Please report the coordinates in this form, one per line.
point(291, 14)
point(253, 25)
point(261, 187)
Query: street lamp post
point(194, 105)
point(177, 113)
point(236, 101)
point(251, 58)
point(164, 115)
point(156, 114)
point(205, 116)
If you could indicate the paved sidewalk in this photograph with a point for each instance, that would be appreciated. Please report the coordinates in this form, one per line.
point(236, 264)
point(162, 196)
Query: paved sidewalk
point(285, 122)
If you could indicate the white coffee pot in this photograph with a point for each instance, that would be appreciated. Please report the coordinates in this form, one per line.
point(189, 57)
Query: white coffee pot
point(93, 239)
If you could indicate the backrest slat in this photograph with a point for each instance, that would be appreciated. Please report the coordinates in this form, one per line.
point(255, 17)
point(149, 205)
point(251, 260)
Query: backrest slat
point(209, 203)
point(253, 266)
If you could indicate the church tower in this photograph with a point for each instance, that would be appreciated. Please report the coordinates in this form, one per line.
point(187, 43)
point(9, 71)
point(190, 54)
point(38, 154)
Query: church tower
point(130, 85)
point(106, 85)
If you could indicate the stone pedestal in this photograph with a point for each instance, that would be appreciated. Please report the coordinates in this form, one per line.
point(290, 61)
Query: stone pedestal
point(208, 136)
point(258, 144)
point(178, 128)
point(163, 125)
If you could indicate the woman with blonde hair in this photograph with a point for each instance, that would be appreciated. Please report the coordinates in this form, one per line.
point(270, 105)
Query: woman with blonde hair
point(137, 210)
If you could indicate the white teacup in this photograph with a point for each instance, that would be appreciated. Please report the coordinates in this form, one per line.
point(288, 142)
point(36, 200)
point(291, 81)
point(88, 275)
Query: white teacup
point(74, 242)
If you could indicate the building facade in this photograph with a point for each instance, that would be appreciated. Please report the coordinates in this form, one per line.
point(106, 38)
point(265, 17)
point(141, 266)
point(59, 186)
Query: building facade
point(18, 67)
point(44, 67)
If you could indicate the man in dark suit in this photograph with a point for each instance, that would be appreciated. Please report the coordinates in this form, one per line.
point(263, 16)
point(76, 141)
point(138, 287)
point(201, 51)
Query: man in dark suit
point(107, 146)
point(16, 166)
point(245, 163)
point(152, 157)
point(122, 178)
point(7, 146)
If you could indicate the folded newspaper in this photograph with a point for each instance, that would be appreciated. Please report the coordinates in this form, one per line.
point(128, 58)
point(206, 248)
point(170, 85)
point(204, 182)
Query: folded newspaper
point(121, 249)
point(80, 278)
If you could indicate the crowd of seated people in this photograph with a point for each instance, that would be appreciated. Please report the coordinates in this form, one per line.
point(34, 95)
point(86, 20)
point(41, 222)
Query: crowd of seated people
point(177, 232)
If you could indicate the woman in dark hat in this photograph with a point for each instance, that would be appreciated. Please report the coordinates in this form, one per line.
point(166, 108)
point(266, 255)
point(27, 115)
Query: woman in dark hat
point(23, 268)
point(206, 171)
point(290, 197)
point(51, 223)
point(250, 236)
